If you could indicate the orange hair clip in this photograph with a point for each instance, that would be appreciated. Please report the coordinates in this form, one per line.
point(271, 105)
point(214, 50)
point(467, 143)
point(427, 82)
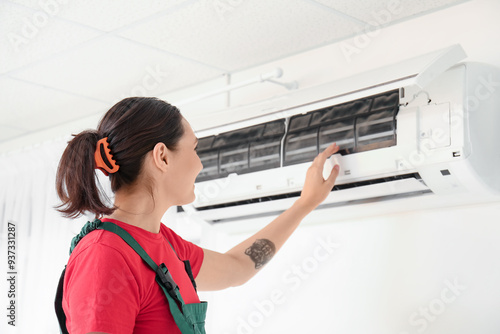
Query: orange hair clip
point(99, 162)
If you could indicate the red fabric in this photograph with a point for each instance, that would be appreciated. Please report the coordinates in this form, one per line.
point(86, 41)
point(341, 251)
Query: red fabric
point(109, 288)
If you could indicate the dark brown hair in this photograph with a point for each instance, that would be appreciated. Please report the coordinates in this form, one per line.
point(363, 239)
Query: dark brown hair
point(133, 127)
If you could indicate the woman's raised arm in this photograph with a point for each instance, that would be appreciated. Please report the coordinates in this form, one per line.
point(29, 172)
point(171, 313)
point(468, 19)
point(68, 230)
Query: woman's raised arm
point(242, 262)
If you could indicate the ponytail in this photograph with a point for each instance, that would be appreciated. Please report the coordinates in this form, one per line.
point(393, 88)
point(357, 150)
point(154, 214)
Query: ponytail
point(76, 178)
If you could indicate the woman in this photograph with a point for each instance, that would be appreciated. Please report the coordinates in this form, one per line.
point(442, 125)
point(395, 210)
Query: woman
point(149, 152)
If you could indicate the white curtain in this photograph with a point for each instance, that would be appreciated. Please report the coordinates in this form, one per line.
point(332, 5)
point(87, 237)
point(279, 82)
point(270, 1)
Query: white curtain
point(28, 198)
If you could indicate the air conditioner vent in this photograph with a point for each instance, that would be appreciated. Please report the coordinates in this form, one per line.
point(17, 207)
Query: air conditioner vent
point(356, 126)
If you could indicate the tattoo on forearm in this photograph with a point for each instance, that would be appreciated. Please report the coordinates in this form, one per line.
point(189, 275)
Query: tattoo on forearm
point(261, 252)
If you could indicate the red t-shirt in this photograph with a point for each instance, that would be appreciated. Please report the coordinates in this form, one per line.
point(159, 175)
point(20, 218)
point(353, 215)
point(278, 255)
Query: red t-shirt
point(109, 288)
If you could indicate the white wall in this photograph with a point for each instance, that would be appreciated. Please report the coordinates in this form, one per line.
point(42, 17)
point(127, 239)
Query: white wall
point(386, 275)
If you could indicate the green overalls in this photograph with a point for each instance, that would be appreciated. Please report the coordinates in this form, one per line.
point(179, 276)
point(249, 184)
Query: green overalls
point(190, 318)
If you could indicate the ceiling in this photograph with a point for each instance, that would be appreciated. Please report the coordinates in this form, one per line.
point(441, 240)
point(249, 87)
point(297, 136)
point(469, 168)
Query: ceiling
point(64, 60)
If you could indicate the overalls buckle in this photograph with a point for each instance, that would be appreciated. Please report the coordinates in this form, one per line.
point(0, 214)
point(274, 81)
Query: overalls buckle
point(166, 279)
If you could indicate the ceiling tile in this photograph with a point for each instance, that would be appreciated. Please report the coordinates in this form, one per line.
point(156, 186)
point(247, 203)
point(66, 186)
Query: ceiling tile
point(28, 35)
point(110, 68)
point(217, 32)
point(105, 15)
point(29, 107)
point(384, 12)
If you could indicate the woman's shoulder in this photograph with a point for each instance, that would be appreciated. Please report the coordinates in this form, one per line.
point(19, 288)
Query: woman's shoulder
point(185, 249)
point(168, 232)
point(101, 244)
point(173, 238)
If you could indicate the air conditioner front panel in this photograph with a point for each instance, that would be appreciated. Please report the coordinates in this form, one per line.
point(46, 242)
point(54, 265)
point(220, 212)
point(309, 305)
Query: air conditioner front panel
point(377, 138)
point(482, 102)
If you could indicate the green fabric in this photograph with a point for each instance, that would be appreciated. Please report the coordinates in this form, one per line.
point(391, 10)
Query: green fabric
point(86, 229)
point(190, 318)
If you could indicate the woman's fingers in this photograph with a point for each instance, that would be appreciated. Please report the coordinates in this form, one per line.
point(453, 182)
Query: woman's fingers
point(333, 175)
point(316, 188)
point(320, 159)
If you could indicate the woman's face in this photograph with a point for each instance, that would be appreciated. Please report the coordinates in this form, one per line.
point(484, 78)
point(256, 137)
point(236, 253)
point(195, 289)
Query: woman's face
point(184, 167)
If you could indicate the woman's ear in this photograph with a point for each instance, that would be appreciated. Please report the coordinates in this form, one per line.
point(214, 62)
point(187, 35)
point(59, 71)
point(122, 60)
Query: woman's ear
point(160, 156)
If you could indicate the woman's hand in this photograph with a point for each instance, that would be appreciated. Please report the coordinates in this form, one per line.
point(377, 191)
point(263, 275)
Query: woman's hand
point(316, 188)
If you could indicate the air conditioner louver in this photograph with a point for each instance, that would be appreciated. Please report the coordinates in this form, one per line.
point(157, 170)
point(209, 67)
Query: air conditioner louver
point(378, 190)
point(338, 187)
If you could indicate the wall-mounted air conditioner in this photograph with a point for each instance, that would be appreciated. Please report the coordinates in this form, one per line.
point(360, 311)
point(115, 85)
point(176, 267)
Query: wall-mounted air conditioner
point(427, 133)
